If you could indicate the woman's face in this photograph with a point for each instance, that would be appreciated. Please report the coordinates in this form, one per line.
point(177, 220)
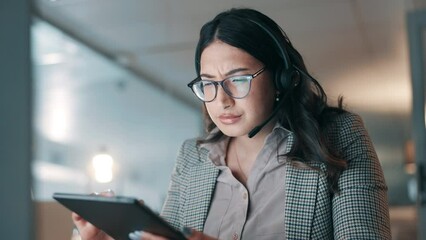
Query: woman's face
point(236, 117)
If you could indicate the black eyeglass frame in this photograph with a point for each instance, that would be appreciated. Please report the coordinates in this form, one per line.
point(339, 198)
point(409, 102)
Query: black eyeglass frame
point(216, 83)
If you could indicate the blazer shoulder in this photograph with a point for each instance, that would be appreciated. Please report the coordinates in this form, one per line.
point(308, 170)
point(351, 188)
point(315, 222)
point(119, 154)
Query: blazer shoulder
point(190, 148)
point(189, 144)
point(345, 129)
point(189, 154)
point(346, 124)
point(348, 120)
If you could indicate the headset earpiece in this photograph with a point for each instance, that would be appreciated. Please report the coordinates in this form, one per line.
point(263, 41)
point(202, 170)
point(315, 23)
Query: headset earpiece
point(286, 75)
point(279, 75)
point(295, 78)
point(286, 79)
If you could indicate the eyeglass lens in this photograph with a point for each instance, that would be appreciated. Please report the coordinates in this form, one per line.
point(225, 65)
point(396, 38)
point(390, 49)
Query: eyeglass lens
point(236, 87)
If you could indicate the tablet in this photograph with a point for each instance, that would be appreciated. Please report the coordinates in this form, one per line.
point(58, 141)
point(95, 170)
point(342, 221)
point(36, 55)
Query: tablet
point(117, 216)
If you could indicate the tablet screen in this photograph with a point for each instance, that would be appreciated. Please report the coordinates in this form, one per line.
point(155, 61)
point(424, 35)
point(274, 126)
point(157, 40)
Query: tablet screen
point(117, 216)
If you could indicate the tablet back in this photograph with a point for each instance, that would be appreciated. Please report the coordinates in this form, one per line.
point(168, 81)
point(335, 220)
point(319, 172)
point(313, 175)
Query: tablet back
point(117, 216)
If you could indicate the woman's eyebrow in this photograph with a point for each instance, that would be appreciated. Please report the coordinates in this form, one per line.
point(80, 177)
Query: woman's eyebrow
point(233, 71)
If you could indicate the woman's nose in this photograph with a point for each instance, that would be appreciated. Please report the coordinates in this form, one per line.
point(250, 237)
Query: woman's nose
point(223, 98)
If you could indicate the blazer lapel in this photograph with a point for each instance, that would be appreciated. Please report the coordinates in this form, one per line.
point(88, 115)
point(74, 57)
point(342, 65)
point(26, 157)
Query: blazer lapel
point(201, 183)
point(300, 200)
point(301, 196)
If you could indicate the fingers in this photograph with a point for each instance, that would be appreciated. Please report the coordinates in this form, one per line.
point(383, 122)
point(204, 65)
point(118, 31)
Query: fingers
point(189, 233)
point(106, 193)
point(140, 235)
point(75, 217)
point(78, 220)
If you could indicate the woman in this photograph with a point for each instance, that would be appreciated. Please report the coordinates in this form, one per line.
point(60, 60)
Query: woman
point(277, 162)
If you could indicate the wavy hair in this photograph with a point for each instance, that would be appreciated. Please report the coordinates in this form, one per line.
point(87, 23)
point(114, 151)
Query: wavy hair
point(305, 112)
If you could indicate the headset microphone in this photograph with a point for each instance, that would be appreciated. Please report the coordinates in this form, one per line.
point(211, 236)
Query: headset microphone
point(259, 127)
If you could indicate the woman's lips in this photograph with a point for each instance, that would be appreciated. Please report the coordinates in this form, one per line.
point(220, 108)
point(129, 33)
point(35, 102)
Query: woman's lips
point(229, 118)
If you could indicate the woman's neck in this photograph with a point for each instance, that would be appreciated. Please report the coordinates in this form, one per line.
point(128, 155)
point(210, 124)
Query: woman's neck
point(250, 147)
point(257, 140)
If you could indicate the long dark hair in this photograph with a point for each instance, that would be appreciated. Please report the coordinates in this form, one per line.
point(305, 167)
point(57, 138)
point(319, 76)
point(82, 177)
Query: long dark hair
point(305, 111)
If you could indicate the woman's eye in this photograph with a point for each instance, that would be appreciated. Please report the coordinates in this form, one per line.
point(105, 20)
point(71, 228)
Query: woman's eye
point(238, 80)
point(207, 84)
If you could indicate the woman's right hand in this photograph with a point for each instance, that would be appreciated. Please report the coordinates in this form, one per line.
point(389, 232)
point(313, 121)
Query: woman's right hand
point(87, 230)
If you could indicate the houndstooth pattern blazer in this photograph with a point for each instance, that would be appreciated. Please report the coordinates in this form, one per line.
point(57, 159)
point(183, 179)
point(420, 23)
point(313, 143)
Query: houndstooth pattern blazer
point(359, 211)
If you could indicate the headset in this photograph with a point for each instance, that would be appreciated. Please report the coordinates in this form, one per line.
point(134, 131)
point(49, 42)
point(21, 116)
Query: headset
point(287, 75)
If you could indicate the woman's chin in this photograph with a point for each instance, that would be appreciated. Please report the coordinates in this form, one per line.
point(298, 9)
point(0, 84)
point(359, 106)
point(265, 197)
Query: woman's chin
point(233, 131)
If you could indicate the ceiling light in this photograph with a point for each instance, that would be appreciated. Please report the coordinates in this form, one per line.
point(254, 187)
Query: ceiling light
point(102, 165)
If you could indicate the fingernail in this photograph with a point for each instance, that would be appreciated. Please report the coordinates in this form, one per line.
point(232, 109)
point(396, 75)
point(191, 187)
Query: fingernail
point(133, 236)
point(136, 235)
point(187, 232)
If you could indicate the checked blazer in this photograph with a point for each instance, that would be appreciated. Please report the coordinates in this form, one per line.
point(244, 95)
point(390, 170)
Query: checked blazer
point(358, 211)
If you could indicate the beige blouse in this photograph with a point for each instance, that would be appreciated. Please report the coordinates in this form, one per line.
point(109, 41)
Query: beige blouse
point(255, 212)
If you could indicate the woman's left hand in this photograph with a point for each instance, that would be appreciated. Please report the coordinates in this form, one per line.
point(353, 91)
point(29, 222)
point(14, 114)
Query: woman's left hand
point(189, 234)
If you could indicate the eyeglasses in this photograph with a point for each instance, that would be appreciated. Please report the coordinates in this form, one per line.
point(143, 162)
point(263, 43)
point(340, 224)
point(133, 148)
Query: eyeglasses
point(235, 86)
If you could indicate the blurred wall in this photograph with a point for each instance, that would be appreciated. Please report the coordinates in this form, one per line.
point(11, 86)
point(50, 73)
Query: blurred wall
point(52, 221)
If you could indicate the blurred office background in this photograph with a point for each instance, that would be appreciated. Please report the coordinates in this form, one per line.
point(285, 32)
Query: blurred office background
point(110, 106)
